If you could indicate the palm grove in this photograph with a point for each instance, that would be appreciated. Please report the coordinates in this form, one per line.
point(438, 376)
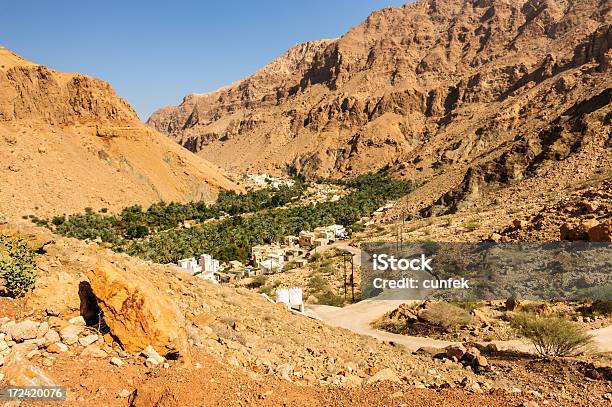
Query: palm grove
point(230, 227)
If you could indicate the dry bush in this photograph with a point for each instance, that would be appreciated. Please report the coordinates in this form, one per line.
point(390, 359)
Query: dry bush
point(552, 336)
point(445, 315)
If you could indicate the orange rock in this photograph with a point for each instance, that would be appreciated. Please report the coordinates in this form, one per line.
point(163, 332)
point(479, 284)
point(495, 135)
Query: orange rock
point(601, 232)
point(19, 372)
point(136, 312)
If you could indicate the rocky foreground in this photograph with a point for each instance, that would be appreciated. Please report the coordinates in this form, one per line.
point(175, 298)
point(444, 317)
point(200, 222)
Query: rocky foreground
point(163, 333)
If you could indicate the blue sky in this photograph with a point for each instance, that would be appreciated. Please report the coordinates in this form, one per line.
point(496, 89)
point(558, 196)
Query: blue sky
point(153, 53)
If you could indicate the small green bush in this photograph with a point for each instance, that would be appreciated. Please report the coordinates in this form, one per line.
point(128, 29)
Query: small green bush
point(17, 265)
point(258, 281)
point(329, 297)
point(551, 336)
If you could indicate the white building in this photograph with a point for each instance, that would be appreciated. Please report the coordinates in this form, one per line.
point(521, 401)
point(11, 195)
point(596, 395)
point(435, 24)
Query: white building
point(338, 230)
point(204, 268)
point(271, 266)
point(208, 264)
point(265, 180)
point(190, 265)
point(292, 297)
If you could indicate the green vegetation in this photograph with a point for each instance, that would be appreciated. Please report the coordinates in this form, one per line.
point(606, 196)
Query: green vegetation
point(551, 336)
point(323, 292)
point(134, 222)
point(255, 217)
point(17, 265)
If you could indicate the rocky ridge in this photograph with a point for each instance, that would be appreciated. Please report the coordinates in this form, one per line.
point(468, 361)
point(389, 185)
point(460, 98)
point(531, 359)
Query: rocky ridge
point(484, 104)
point(67, 142)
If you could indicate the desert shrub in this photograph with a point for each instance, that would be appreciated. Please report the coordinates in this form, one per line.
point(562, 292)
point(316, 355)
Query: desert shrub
point(551, 336)
point(58, 220)
point(472, 226)
point(357, 227)
point(469, 305)
point(17, 265)
point(317, 283)
point(258, 281)
point(601, 307)
point(447, 316)
point(596, 308)
point(329, 297)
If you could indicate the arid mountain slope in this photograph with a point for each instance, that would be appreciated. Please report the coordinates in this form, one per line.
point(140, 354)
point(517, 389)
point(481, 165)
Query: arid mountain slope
point(458, 95)
point(68, 142)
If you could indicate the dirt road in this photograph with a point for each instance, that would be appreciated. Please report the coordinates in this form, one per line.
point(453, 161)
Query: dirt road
point(357, 318)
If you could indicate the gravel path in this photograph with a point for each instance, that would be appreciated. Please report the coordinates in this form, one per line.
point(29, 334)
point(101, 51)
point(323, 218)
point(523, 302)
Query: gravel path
point(357, 318)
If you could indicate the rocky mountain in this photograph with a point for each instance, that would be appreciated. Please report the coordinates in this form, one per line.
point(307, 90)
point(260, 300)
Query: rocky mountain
point(68, 142)
point(461, 96)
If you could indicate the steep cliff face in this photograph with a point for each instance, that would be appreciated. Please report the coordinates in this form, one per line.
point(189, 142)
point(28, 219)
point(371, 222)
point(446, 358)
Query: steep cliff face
point(439, 91)
point(68, 142)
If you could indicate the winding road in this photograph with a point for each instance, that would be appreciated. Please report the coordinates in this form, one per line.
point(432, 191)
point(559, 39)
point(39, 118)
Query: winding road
point(357, 318)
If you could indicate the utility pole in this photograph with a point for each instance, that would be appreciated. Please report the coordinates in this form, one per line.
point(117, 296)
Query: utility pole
point(344, 280)
point(352, 279)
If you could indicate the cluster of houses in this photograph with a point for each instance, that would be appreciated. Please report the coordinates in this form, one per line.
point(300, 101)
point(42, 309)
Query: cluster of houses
point(266, 259)
point(295, 249)
point(265, 180)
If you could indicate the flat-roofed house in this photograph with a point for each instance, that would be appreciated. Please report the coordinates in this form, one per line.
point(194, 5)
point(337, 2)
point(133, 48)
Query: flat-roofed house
point(307, 239)
point(321, 242)
point(338, 230)
point(291, 241)
point(325, 233)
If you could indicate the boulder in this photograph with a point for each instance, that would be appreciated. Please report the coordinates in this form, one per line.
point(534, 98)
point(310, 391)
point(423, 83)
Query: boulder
point(57, 347)
point(22, 331)
point(93, 351)
point(88, 340)
point(137, 313)
point(601, 232)
point(480, 361)
point(17, 371)
point(285, 371)
point(117, 361)
point(52, 336)
point(150, 353)
point(431, 351)
point(70, 334)
point(78, 320)
point(454, 351)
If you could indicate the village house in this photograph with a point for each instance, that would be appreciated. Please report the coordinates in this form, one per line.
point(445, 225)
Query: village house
point(294, 253)
point(291, 241)
point(321, 242)
point(307, 239)
point(300, 262)
point(338, 230)
point(208, 264)
point(271, 266)
point(325, 234)
point(205, 267)
point(252, 272)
